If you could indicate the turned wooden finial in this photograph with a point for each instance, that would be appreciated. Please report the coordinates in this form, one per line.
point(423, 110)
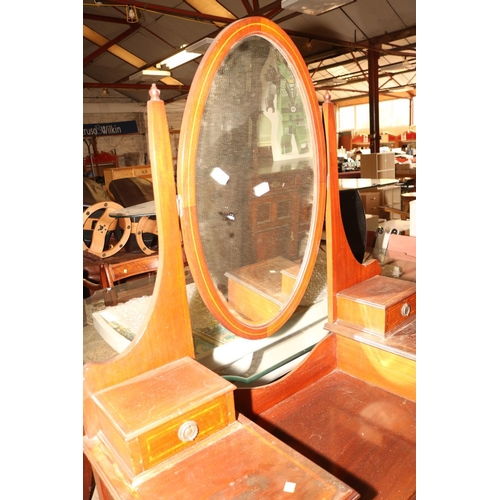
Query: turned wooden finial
point(327, 96)
point(154, 93)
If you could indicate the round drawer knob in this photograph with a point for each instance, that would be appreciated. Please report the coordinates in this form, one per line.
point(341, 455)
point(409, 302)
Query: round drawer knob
point(188, 431)
point(406, 309)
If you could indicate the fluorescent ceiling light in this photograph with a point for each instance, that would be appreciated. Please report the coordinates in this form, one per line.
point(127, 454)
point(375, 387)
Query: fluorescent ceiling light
point(331, 81)
point(149, 75)
point(188, 54)
point(400, 66)
point(401, 89)
point(338, 71)
point(313, 7)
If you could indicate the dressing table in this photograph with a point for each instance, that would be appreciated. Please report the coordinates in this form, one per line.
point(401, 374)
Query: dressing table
point(160, 425)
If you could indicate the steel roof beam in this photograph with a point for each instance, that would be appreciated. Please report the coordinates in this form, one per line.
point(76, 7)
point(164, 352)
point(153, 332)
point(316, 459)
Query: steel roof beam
point(161, 9)
point(105, 19)
point(134, 86)
point(344, 47)
point(103, 48)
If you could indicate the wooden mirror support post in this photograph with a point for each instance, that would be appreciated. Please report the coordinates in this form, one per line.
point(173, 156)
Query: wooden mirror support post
point(163, 339)
point(343, 270)
point(158, 425)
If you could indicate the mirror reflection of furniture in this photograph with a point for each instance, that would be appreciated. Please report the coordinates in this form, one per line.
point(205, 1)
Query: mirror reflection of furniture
point(340, 424)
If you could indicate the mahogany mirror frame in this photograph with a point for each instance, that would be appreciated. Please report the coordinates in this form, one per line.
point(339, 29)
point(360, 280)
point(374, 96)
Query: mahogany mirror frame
point(188, 146)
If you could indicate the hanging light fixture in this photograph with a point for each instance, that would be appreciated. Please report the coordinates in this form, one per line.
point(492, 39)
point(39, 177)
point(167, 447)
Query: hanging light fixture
point(314, 7)
point(149, 75)
point(132, 16)
point(405, 64)
point(188, 53)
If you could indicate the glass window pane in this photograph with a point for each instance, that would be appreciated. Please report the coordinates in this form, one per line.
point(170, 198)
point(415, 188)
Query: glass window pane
point(346, 118)
point(401, 112)
point(385, 114)
point(362, 116)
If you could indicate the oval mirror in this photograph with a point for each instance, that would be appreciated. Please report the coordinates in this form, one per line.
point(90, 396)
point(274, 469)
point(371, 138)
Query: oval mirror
point(251, 178)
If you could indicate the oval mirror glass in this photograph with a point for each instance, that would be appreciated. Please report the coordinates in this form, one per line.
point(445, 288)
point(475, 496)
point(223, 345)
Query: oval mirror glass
point(251, 178)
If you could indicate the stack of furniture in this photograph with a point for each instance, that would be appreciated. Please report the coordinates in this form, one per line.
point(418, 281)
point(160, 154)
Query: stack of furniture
point(381, 166)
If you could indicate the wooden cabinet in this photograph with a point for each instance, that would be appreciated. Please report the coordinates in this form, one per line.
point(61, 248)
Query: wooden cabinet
point(371, 202)
point(281, 218)
point(110, 174)
point(408, 137)
point(375, 199)
point(378, 166)
point(390, 196)
point(348, 140)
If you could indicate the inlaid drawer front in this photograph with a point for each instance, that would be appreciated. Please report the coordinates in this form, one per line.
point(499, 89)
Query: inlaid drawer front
point(151, 417)
point(400, 311)
point(165, 441)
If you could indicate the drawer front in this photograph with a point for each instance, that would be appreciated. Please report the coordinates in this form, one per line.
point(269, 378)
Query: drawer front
point(371, 202)
point(373, 211)
point(372, 205)
point(121, 173)
point(142, 171)
point(371, 197)
point(164, 441)
point(395, 314)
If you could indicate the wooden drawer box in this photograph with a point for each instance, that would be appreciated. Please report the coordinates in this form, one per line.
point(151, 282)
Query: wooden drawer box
point(110, 174)
point(377, 305)
point(150, 418)
point(259, 291)
point(371, 202)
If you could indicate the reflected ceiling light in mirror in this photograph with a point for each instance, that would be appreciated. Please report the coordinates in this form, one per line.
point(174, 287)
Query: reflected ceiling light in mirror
point(219, 176)
point(314, 7)
point(188, 53)
point(261, 189)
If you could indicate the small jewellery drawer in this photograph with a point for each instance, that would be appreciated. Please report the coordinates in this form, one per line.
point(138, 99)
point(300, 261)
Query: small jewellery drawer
point(378, 304)
point(149, 418)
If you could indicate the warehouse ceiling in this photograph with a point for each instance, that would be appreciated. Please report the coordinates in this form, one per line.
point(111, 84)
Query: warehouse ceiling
point(123, 37)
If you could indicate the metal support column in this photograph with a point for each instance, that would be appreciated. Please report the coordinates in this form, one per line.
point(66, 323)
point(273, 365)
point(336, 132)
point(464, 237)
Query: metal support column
point(373, 96)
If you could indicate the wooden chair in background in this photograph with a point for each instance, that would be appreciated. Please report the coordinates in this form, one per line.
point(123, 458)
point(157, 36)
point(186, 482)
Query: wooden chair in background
point(130, 192)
